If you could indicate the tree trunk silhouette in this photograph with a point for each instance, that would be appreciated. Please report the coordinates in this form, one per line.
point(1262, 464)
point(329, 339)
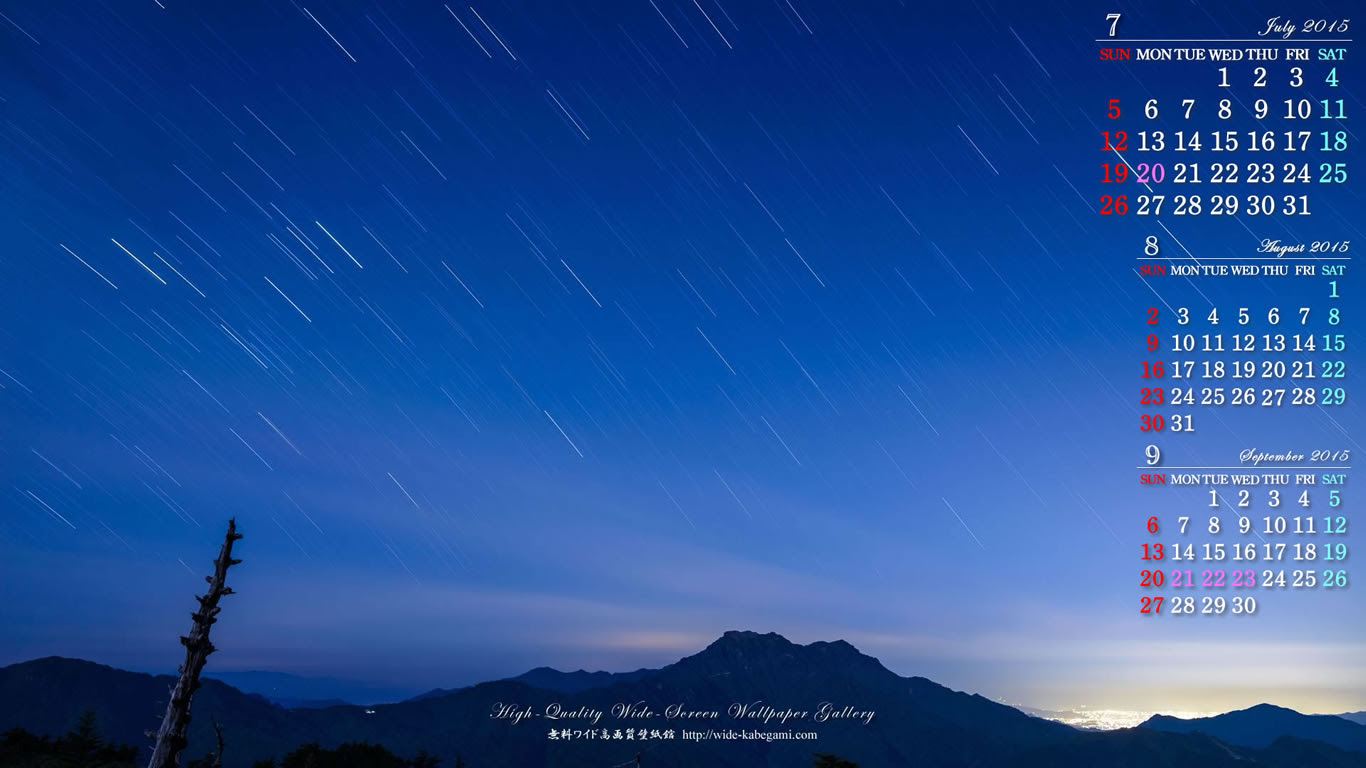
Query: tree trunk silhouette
point(173, 735)
point(217, 756)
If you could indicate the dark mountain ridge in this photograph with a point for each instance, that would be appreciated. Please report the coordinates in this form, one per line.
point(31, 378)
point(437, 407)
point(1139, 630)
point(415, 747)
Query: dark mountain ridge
point(1261, 725)
point(881, 720)
point(294, 690)
point(581, 680)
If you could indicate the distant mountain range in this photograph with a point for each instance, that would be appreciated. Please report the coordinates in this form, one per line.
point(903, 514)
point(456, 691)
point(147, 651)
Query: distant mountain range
point(297, 691)
point(576, 682)
point(915, 722)
point(1261, 725)
point(548, 679)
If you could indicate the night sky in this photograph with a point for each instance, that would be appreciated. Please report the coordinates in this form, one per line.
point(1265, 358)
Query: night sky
point(575, 334)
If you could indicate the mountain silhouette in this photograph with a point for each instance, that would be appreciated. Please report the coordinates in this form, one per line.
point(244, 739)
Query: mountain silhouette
point(1261, 725)
point(1147, 748)
point(296, 690)
point(574, 682)
point(549, 679)
point(310, 703)
point(886, 720)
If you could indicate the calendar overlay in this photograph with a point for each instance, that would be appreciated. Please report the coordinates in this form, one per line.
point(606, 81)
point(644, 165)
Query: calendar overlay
point(1243, 341)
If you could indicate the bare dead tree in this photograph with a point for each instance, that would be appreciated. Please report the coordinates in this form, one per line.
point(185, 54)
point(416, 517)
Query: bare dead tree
point(218, 732)
point(173, 735)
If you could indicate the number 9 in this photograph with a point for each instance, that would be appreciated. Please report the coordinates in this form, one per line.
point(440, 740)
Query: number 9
point(1154, 455)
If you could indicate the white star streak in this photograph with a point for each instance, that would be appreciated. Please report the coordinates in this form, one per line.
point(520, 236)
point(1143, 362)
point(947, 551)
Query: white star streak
point(1155, 293)
point(713, 25)
point(182, 277)
point(258, 166)
point(695, 292)
point(808, 266)
point(220, 112)
point(566, 114)
point(1031, 53)
point(115, 535)
point(965, 525)
point(205, 391)
point(781, 440)
point(732, 493)
point(718, 353)
point(979, 152)
point(244, 347)
point(302, 512)
point(491, 32)
point(466, 287)
point(457, 406)
point(54, 466)
point(580, 282)
point(329, 34)
point(288, 442)
point(139, 261)
point(765, 207)
point(1178, 242)
point(468, 32)
point(201, 189)
point(898, 210)
point(670, 23)
point(21, 29)
point(405, 491)
point(400, 562)
point(270, 130)
point(1017, 118)
point(286, 298)
point(562, 434)
point(249, 448)
point(949, 263)
point(339, 245)
point(917, 410)
point(16, 381)
point(897, 464)
point(633, 325)
point(92, 269)
point(1099, 518)
point(805, 373)
point(676, 504)
point(799, 18)
point(386, 249)
point(405, 135)
point(54, 512)
point(291, 538)
point(295, 235)
point(914, 291)
point(245, 194)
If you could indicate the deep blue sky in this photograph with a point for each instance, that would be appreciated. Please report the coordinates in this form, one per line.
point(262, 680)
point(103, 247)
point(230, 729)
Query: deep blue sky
point(584, 332)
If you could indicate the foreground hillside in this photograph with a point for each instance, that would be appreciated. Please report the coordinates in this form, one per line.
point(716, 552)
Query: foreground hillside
point(887, 721)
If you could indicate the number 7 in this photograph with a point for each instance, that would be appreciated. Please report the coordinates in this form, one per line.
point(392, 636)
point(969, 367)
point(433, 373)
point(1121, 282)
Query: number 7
point(1113, 18)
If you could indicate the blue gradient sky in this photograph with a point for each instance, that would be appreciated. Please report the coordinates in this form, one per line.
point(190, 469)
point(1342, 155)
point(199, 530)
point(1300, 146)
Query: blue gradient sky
point(634, 330)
